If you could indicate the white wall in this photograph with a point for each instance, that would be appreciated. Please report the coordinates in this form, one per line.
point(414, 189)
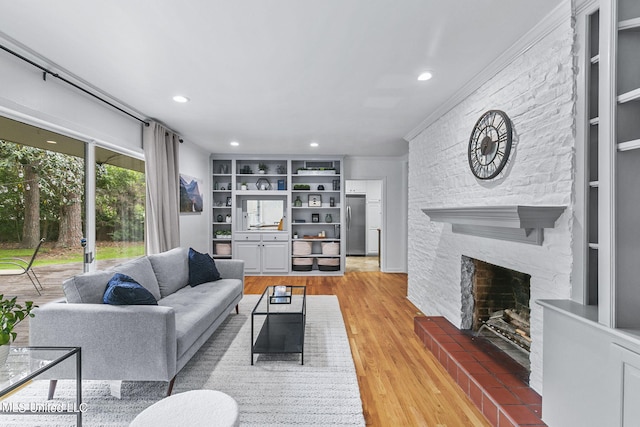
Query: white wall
point(54, 105)
point(536, 91)
point(393, 172)
point(194, 227)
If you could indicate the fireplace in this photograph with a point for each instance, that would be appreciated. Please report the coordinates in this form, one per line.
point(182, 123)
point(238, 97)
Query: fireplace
point(495, 305)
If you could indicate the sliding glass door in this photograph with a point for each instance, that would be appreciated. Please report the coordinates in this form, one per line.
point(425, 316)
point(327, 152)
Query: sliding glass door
point(68, 192)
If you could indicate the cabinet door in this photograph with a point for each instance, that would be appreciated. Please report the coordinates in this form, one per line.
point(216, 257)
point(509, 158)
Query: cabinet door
point(249, 252)
point(356, 187)
point(275, 257)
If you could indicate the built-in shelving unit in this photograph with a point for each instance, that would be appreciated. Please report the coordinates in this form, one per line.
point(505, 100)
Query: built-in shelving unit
point(222, 205)
point(625, 171)
point(274, 202)
point(592, 158)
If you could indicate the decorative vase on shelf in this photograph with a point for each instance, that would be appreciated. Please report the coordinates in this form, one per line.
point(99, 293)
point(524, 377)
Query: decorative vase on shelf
point(228, 218)
point(4, 353)
point(328, 218)
point(297, 202)
point(220, 218)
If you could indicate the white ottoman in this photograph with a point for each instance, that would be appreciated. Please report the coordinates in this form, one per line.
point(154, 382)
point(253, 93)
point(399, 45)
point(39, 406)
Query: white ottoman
point(192, 408)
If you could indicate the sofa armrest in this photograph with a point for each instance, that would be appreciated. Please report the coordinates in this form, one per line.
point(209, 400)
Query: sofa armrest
point(135, 342)
point(231, 269)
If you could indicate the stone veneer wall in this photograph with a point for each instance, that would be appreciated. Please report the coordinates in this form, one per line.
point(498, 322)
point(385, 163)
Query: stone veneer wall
point(537, 91)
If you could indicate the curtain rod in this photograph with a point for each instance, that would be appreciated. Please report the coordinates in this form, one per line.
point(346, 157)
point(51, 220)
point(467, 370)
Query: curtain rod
point(44, 77)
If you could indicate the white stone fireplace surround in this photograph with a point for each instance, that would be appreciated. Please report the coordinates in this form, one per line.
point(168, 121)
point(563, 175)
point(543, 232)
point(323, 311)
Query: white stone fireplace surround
point(536, 90)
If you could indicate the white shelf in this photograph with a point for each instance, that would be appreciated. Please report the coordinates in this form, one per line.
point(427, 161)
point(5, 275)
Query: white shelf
point(629, 145)
point(315, 207)
point(629, 25)
point(315, 223)
point(633, 95)
point(260, 192)
point(595, 59)
point(595, 121)
point(316, 256)
point(326, 239)
point(260, 175)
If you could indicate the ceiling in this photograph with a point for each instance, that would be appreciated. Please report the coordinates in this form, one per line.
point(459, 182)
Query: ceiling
point(275, 75)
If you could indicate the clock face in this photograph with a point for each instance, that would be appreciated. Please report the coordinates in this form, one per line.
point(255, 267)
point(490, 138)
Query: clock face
point(490, 144)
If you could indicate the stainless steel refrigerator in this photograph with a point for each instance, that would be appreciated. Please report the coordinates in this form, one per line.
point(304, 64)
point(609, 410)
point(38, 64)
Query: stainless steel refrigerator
point(356, 225)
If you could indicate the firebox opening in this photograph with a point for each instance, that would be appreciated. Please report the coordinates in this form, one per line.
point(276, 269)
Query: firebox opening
point(495, 305)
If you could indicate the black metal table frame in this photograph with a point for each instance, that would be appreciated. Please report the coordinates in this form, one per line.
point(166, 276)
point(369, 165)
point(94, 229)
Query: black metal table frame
point(73, 351)
point(302, 314)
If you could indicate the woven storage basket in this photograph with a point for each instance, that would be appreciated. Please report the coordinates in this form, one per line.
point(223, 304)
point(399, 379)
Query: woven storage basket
point(301, 248)
point(223, 248)
point(330, 248)
point(302, 264)
point(328, 264)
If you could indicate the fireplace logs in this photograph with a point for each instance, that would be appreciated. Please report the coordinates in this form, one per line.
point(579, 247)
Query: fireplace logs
point(511, 325)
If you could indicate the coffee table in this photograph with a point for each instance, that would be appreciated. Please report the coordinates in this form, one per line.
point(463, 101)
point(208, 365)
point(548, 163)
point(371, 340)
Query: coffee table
point(24, 364)
point(281, 320)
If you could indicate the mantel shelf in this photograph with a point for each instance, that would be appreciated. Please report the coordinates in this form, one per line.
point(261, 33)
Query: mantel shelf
point(515, 223)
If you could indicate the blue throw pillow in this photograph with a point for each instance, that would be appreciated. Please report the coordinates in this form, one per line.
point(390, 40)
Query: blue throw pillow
point(123, 290)
point(202, 268)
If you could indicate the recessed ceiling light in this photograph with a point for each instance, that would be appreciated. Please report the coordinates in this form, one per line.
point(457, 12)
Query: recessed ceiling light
point(234, 143)
point(314, 144)
point(180, 98)
point(51, 141)
point(425, 76)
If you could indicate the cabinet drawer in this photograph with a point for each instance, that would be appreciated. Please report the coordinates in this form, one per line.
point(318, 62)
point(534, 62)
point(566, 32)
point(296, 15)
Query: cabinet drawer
point(270, 237)
point(246, 237)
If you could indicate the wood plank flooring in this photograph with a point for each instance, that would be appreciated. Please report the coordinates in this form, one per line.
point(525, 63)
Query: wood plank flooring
point(401, 382)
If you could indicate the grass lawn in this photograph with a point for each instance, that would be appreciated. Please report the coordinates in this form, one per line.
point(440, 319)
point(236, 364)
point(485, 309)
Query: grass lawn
point(49, 255)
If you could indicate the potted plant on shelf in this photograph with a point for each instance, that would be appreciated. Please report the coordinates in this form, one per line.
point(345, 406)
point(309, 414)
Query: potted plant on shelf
point(243, 186)
point(263, 168)
point(11, 314)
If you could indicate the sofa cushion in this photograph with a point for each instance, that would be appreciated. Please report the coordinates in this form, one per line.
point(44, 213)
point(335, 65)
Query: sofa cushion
point(141, 271)
point(202, 268)
point(86, 288)
point(171, 269)
point(197, 308)
point(124, 290)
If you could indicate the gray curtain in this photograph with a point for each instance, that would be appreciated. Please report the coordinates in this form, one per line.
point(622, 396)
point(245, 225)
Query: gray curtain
point(162, 229)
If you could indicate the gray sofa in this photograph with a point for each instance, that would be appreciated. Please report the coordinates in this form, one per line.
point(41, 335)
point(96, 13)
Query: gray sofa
point(138, 342)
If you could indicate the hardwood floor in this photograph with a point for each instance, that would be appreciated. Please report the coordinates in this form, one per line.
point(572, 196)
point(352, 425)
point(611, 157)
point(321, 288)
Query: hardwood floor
point(401, 382)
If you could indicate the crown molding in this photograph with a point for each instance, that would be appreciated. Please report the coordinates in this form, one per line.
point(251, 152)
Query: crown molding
point(549, 23)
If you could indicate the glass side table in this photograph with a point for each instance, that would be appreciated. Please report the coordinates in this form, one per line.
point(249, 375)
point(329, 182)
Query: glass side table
point(25, 364)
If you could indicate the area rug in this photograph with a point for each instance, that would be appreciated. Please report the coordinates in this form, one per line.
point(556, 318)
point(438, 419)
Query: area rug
point(276, 391)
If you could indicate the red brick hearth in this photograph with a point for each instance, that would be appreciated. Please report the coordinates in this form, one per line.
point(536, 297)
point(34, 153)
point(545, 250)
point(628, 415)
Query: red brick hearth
point(495, 383)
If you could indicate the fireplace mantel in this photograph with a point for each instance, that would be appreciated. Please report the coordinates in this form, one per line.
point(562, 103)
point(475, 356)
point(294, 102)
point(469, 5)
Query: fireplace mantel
point(515, 223)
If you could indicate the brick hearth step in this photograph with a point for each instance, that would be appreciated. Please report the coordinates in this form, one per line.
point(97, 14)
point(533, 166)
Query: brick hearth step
point(493, 381)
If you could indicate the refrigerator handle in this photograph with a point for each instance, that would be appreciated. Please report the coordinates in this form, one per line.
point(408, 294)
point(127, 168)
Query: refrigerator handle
point(348, 217)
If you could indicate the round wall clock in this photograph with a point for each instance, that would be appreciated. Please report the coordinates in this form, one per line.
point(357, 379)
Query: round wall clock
point(490, 144)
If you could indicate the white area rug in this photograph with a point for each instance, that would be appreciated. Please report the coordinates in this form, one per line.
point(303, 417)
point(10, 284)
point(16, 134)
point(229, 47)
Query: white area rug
point(276, 390)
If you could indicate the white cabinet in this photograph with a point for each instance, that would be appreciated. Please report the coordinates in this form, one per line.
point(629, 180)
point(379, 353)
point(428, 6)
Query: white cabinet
point(374, 219)
point(354, 186)
point(262, 252)
point(374, 190)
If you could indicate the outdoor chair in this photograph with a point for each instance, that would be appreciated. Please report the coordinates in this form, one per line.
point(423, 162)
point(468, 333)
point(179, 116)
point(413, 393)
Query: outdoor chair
point(21, 266)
